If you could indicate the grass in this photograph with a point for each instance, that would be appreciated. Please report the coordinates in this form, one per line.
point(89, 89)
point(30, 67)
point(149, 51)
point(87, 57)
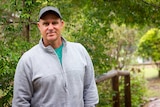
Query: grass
point(153, 88)
point(150, 72)
point(152, 85)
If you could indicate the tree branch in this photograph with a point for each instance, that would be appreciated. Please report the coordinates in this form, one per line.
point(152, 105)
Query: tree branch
point(11, 22)
point(151, 4)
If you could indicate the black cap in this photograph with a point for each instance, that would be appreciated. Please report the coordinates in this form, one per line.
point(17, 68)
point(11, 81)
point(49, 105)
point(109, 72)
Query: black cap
point(49, 8)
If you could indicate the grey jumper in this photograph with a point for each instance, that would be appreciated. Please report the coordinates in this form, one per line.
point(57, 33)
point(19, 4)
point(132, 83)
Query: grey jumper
point(41, 81)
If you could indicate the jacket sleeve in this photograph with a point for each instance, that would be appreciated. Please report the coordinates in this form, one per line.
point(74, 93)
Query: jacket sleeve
point(90, 89)
point(23, 88)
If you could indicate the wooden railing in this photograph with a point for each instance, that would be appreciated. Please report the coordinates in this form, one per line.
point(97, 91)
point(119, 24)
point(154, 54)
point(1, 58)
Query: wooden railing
point(114, 75)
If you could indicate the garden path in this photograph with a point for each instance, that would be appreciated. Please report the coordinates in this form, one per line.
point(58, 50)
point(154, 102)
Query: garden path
point(153, 86)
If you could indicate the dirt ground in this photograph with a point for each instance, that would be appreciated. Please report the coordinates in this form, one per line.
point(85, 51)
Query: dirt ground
point(153, 86)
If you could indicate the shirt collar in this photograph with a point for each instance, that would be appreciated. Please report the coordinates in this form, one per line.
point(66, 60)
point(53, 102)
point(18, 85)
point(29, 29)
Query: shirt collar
point(49, 47)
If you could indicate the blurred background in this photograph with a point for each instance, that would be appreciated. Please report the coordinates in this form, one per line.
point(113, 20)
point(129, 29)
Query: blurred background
point(118, 34)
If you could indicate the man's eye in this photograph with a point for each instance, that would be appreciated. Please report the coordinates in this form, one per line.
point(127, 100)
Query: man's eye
point(54, 23)
point(45, 24)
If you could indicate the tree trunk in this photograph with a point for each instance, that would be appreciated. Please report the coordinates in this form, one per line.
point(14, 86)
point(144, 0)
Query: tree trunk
point(158, 67)
point(27, 27)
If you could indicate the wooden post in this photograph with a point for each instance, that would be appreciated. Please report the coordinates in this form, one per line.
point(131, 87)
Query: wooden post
point(115, 87)
point(127, 91)
point(114, 75)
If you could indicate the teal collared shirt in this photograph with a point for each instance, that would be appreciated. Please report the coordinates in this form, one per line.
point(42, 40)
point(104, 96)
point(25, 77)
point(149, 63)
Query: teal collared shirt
point(59, 52)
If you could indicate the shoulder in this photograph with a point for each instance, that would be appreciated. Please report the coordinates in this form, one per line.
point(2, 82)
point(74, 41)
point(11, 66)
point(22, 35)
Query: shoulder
point(31, 53)
point(73, 45)
point(34, 50)
point(77, 47)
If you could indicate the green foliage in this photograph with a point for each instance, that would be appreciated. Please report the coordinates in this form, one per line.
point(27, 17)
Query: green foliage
point(149, 45)
point(105, 94)
point(138, 88)
point(123, 44)
point(85, 27)
point(11, 50)
point(153, 2)
point(7, 66)
point(137, 91)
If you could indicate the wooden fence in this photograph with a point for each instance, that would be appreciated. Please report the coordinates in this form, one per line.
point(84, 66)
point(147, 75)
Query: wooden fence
point(114, 75)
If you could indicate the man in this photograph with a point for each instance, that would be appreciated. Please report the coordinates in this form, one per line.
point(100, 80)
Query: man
point(55, 72)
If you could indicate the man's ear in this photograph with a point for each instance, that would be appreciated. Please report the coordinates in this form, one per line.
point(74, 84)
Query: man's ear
point(38, 24)
point(62, 22)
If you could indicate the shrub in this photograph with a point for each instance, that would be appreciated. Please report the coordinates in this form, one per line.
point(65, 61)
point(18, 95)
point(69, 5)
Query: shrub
point(137, 91)
point(11, 50)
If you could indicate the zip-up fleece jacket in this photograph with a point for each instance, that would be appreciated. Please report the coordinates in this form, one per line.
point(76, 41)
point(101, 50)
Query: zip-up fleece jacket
point(42, 81)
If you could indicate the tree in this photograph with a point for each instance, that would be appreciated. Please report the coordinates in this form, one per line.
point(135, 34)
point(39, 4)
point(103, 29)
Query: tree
point(87, 22)
point(123, 46)
point(149, 46)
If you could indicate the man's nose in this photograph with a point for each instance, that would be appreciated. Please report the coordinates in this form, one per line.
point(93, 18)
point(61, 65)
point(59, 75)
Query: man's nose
point(50, 26)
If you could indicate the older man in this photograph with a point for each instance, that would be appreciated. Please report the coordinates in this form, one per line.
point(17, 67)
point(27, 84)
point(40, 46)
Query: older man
point(55, 72)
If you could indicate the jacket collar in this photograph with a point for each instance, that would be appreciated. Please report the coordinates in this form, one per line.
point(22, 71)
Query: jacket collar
point(49, 47)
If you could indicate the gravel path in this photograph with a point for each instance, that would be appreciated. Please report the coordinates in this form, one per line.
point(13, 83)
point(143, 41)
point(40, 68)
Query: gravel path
point(155, 103)
point(154, 86)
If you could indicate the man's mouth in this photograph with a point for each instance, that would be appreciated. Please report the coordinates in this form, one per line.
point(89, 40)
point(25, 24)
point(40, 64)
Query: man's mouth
point(51, 33)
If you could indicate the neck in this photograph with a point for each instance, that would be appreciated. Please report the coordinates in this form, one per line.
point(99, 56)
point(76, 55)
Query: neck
point(57, 44)
point(54, 44)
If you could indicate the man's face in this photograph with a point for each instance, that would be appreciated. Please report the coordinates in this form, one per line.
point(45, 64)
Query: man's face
point(50, 27)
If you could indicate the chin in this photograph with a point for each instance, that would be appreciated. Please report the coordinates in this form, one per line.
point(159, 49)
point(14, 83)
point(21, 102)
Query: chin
point(51, 39)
